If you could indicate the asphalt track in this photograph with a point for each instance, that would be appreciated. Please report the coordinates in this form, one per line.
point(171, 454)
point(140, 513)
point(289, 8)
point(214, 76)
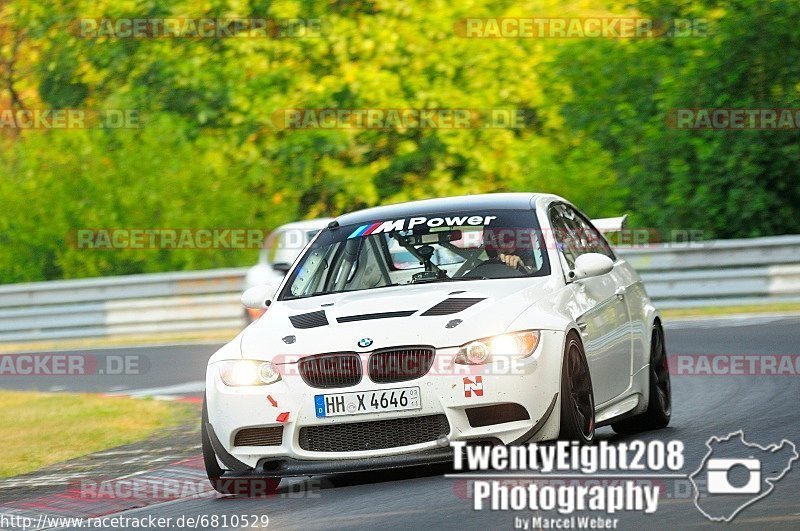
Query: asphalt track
point(765, 407)
point(170, 369)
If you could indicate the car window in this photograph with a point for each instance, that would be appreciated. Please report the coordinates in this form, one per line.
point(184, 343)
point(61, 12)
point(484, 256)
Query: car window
point(437, 247)
point(594, 241)
point(283, 245)
point(401, 258)
point(274, 243)
point(562, 233)
point(575, 235)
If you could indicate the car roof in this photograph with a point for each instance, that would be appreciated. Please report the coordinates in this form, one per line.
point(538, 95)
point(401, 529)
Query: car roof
point(318, 223)
point(443, 205)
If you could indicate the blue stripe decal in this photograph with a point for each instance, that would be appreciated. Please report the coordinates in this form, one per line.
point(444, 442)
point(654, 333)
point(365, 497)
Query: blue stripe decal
point(359, 231)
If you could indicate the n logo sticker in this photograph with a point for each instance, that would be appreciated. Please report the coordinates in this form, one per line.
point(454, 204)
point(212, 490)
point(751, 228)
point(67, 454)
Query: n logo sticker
point(473, 387)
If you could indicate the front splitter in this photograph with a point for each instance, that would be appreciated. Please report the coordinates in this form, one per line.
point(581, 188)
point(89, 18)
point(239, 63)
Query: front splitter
point(288, 467)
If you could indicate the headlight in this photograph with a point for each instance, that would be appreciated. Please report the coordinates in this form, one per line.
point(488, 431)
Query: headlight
point(516, 345)
point(237, 373)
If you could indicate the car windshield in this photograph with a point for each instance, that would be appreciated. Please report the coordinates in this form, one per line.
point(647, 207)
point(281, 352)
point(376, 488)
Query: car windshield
point(421, 249)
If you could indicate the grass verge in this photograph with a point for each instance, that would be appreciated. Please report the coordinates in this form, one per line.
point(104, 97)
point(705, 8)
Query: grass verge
point(138, 340)
point(45, 428)
point(713, 311)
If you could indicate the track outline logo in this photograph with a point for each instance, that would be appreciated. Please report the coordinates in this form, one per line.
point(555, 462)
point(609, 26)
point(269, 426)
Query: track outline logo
point(769, 480)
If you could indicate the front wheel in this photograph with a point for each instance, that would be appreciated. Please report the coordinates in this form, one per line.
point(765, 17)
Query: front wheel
point(577, 395)
point(659, 408)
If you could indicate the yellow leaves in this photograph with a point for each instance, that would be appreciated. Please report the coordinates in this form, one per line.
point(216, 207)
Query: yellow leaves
point(368, 46)
point(210, 154)
point(349, 75)
point(284, 9)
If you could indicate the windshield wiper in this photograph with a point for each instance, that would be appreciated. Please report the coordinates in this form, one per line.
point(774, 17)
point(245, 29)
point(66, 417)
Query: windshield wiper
point(335, 292)
point(448, 279)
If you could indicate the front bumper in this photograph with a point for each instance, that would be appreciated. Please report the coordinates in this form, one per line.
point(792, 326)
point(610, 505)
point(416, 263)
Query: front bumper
point(533, 383)
point(288, 466)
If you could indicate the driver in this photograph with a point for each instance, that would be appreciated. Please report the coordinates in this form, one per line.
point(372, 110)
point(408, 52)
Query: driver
point(501, 244)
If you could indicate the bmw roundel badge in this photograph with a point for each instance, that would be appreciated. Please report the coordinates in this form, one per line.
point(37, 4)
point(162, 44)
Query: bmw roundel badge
point(364, 342)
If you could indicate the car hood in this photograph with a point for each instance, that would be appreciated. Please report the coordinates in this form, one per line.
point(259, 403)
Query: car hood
point(443, 315)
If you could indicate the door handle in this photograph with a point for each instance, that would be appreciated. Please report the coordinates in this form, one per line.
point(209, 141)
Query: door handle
point(620, 293)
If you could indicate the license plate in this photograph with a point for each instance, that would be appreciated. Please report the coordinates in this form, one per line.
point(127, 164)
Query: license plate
point(400, 399)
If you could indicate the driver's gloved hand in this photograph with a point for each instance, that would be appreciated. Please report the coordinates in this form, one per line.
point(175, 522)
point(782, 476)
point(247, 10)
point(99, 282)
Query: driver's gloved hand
point(511, 260)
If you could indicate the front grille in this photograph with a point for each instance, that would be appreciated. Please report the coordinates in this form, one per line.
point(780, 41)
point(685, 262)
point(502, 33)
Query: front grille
point(375, 435)
point(309, 320)
point(272, 436)
point(400, 364)
point(331, 370)
point(371, 316)
point(452, 305)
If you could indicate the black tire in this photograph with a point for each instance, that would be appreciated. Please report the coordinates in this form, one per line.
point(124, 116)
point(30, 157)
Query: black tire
point(659, 408)
point(243, 486)
point(577, 394)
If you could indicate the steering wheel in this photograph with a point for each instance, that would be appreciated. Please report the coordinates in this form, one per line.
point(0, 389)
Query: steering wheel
point(495, 268)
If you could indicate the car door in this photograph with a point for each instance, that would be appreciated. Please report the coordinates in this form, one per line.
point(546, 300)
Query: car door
point(598, 307)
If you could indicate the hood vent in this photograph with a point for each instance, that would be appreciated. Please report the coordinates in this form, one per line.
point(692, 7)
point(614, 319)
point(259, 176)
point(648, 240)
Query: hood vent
point(309, 320)
point(370, 316)
point(452, 305)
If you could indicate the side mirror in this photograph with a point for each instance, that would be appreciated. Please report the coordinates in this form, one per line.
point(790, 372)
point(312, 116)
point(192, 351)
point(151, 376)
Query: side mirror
point(282, 267)
point(591, 265)
point(258, 297)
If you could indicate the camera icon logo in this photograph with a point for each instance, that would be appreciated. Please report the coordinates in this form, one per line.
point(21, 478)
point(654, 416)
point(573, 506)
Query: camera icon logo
point(735, 474)
point(719, 476)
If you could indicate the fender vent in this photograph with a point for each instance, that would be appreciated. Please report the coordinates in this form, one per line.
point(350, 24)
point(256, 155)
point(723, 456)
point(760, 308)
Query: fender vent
point(309, 320)
point(453, 305)
point(370, 316)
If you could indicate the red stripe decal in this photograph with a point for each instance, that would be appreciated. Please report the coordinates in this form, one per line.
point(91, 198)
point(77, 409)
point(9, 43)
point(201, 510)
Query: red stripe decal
point(371, 228)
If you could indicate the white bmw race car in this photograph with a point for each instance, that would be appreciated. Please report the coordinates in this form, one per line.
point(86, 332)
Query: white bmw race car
point(489, 319)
